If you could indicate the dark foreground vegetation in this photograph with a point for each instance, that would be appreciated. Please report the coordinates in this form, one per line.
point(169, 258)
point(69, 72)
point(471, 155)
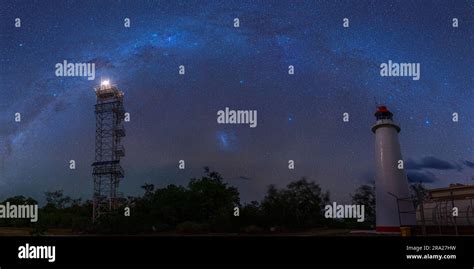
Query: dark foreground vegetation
point(205, 205)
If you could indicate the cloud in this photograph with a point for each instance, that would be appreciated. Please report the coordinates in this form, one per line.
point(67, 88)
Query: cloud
point(469, 164)
point(424, 177)
point(430, 162)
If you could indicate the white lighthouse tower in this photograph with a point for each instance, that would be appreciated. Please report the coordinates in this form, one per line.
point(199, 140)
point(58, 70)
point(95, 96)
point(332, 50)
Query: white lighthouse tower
point(393, 209)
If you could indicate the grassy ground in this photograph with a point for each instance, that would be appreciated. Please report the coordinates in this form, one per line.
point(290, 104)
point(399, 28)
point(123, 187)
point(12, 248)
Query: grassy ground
point(11, 231)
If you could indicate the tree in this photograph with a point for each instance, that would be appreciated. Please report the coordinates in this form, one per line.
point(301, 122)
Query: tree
point(205, 202)
point(149, 188)
point(250, 214)
point(212, 200)
point(17, 200)
point(418, 192)
point(56, 199)
point(298, 206)
point(20, 200)
point(365, 195)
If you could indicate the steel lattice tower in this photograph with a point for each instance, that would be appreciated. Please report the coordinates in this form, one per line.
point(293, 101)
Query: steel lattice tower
point(107, 170)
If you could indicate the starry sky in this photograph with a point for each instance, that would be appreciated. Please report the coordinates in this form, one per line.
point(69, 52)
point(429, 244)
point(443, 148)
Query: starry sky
point(173, 117)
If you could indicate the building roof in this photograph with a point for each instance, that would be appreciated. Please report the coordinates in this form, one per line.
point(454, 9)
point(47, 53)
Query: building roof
point(454, 191)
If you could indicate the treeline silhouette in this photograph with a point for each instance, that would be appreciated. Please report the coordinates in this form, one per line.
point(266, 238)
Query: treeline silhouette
point(205, 205)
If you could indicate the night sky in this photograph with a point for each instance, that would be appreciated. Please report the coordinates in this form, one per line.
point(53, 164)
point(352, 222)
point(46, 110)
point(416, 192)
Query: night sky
point(173, 117)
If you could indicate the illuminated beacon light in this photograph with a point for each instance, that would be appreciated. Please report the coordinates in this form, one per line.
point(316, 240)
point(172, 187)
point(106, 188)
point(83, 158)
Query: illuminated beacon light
point(105, 83)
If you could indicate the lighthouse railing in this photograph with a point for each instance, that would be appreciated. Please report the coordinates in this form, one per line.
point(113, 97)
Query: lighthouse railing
point(407, 199)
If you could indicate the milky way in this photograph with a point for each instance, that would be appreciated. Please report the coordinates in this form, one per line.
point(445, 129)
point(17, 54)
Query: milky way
point(173, 117)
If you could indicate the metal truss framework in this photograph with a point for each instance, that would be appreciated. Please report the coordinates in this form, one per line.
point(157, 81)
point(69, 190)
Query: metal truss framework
point(107, 171)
